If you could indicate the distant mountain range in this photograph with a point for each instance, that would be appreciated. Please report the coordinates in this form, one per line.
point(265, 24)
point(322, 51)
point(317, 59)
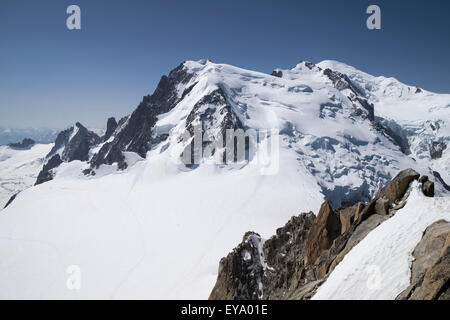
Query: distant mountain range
point(14, 135)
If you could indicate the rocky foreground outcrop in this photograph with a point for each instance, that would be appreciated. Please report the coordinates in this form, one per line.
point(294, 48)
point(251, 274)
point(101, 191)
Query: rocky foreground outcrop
point(298, 259)
point(430, 271)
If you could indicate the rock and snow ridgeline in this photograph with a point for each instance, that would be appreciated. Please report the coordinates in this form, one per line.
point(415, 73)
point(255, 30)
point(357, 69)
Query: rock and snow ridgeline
point(348, 128)
point(343, 135)
point(358, 252)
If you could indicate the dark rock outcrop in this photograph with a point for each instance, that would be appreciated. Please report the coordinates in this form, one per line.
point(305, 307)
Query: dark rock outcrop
point(430, 270)
point(299, 258)
point(71, 144)
point(341, 81)
point(212, 116)
point(277, 265)
point(428, 188)
point(111, 126)
point(437, 148)
point(287, 272)
point(136, 131)
point(277, 73)
point(366, 110)
point(74, 143)
point(11, 200)
point(310, 65)
point(437, 175)
point(24, 145)
point(241, 272)
point(46, 173)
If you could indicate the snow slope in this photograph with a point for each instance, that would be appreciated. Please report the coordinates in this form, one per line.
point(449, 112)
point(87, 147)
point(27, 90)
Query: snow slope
point(149, 232)
point(379, 266)
point(19, 169)
point(158, 229)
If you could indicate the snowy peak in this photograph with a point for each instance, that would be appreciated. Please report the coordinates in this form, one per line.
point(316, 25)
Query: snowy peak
point(135, 133)
point(418, 118)
point(74, 143)
point(71, 144)
point(338, 137)
point(328, 115)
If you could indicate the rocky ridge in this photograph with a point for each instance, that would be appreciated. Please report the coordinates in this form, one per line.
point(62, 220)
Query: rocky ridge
point(299, 258)
point(430, 270)
point(216, 111)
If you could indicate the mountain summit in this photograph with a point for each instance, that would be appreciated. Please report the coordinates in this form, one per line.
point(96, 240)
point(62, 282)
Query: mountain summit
point(142, 222)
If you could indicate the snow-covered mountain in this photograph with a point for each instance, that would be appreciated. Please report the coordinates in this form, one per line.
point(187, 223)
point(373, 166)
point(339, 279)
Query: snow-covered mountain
point(418, 118)
point(140, 222)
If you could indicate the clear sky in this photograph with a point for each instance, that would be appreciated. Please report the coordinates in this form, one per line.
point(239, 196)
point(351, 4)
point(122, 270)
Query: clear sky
point(53, 77)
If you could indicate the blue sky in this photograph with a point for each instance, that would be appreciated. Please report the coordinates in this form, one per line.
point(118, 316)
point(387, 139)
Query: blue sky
point(52, 77)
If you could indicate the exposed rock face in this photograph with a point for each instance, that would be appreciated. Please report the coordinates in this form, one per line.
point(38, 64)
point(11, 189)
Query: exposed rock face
point(46, 173)
point(389, 198)
point(277, 73)
point(428, 188)
point(341, 81)
point(241, 272)
point(287, 273)
point(284, 273)
point(24, 145)
point(10, 200)
point(74, 143)
point(430, 271)
point(437, 175)
point(349, 214)
point(363, 108)
point(299, 258)
point(366, 110)
point(111, 126)
point(437, 149)
point(311, 65)
point(325, 229)
point(397, 187)
point(349, 239)
point(212, 116)
point(71, 144)
point(135, 132)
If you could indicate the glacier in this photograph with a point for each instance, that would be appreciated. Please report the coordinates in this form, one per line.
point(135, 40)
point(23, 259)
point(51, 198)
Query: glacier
point(141, 225)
